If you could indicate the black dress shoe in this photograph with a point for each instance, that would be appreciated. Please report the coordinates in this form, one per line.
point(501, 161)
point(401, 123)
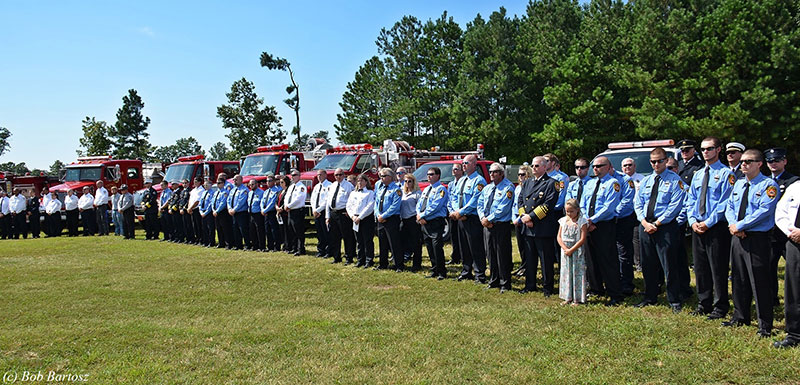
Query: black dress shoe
point(503, 290)
point(715, 315)
point(733, 323)
point(699, 311)
point(786, 343)
point(490, 287)
point(526, 291)
point(644, 303)
point(547, 293)
point(676, 308)
point(335, 261)
point(763, 333)
point(348, 263)
point(368, 265)
point(481, 281)
point(360, 264)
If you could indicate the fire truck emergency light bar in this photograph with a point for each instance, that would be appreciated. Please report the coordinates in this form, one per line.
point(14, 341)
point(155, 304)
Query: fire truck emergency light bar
point(191, 158)
point(646, 143)
point(88, 158)
point(352, 147)
point(277, 147)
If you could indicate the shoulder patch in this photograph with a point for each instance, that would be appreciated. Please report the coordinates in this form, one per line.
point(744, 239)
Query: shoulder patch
point(509, 194)
point(480, 186)
point(732, 179)
point(630, 183)
point(772, 192)
point(616, 186)
point(441, 193)
point(680, 184)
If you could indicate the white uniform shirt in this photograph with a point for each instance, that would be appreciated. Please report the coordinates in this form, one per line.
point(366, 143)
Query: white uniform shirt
point(361, 203)
point(86, 202)
point(786, 210)
point(342, 197)
point(53, 206)
point(17, 204)
point(71, 202)
point(102, 196)
point(319, 197)
point(5, 206)
point(295, 196)
point(195, 195)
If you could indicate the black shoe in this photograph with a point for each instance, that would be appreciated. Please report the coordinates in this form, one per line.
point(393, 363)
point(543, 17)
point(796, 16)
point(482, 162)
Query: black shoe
point(503, 290)
point(452, 262)
point(464, 277)
point(368, 265)
point(398, 270)
point(716, 315)
point(644, 303)
point(414, 269)
point(360, 264)
point(296, 253)
point(786, 343)
point(335, 261)
point(348, 263)
point(733, 323)
point(763, 333)
point(490, 287)
point(699, 312)
point(526, 291)
point(676, 308)
point(481, 281)
point(613, 302)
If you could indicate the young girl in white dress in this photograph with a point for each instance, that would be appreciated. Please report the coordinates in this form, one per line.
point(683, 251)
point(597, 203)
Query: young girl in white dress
point(572, 232)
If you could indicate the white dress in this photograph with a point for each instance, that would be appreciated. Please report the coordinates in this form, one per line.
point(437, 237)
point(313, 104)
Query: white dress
point(572, 284)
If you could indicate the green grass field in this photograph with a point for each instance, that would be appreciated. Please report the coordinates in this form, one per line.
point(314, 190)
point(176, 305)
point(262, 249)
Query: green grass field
point(148, 312)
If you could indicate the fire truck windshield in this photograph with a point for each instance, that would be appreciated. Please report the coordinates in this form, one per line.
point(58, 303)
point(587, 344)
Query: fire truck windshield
point(179, 172)
point(259, 165)
point(83, 173)
point(334, 161)
point(447, 172)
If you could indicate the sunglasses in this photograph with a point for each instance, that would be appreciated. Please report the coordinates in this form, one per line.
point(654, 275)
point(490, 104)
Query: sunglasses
point(431, 174)
point(494, 171)
point(775, 160)
point(522, 174)
point(657, 161)
point(581, 167)
point(385, 176)
point(338, 174)
point(708, 149)
point(627, 165)
point(409, 181)
point(599, 165)
point(749, 161)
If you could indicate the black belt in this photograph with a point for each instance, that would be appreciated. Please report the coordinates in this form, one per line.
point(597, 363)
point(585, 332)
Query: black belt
point(338, 211)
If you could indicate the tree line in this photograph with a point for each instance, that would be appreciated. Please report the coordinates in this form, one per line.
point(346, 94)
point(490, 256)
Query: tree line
point(568, 79)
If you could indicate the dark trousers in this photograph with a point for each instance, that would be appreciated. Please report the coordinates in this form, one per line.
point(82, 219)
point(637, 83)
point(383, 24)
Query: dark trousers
point(637, 257)
point(241, 229)
point(660, 260)
point(322, 235)
point(188, 227)
point(604, 259)
point(209, 237)
point(89, 222)
point(433, 233)
point(166, 225)
point(297, 221)
point(257, 236)
point(711, 252)
point(500, 254)
point(520, 235)
point(791, 288)
point(778, 240)
point(286, 232)
point(539, 250)
point(273, 231)
point(178, 229)
point(128, 223)
point(473, 255)
point(19, 227)
point(224, 224)
point(750, 268)
point(685, 279)
point(35, 226)
point(197, 224)
point(5, 227)
point(151, 224)
point(102, 219)
point(624, 240)
point(55, 224)
point(72, 223)
point(455, 257)
point(411, 240)
point(389, 239)
point(365, 237)
point(341, 228)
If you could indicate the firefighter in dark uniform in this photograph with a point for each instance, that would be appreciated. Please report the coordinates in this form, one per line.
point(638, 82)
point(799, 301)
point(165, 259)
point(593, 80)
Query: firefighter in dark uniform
point(751, 216)
point(689, 162)
point(599, 207)
point(186, 216)
point(537, 202)
point(787, 220)
point(150, 205)
point(776, 161)
point(177, 236)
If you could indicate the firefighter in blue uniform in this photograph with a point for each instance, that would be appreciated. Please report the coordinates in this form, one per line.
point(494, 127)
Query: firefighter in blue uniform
point(388, 197)
point(431, 214)
point(494, 209)
point(470, 230)
point(626, 222)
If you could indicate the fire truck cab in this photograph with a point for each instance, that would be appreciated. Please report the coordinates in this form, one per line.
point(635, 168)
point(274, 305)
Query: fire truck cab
point(278, 160)
point(86, 171)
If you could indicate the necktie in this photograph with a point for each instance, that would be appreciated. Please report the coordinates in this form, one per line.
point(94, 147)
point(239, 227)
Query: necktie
point(593, 202)
point(335, 194)
point(319, 193)
point(704, 192)
point(651, 205)
point(250, 199)
point(490, 200)
point(288, 196)
point(233, 199)
point(425, 199)
point(383, 194)
point(743, 205)
point(461, 192)
point(580, 190)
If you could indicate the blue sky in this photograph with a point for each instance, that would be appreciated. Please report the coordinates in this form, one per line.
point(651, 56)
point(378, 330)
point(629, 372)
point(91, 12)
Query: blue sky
point(61, 61)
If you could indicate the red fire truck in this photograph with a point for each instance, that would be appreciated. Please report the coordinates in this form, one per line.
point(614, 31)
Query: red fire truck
point(26, 183)
point(86, 171)
point(278, 160)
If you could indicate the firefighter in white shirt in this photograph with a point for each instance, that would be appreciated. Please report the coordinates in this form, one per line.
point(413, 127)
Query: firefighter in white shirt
point(360, 207)
point(87, 210)
point(101, 204)
point(319, 198)
point(17, 205)
point(5, 216)
point(71, 211)
point(340, 226)
point(53, 210)
point(787, 219)
point(295, 205)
